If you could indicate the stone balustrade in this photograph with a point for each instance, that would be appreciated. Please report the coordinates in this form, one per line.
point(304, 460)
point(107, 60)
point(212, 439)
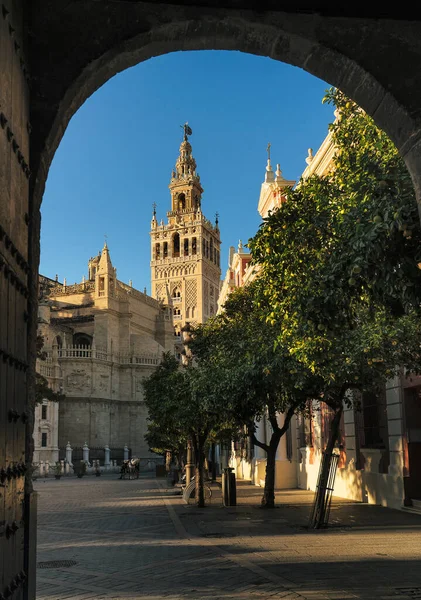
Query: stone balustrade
point(87, 352)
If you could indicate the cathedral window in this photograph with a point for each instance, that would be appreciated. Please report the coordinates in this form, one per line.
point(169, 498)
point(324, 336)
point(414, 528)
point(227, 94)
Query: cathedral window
point(207, 249)
point(165, 252)
point(176, 245)
point(193, 245)
point(204, 247)
point(44, 411)
point(186, 246)
point(181, 201)
point(211, 249)
point(157, 251)
point(214, 256)
point(44, 440)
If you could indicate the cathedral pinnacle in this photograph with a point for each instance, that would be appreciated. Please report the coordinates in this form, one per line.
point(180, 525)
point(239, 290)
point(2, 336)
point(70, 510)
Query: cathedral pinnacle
point(269, 177)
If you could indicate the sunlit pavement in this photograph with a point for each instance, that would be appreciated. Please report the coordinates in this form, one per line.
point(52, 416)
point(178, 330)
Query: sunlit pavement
point(137, 539)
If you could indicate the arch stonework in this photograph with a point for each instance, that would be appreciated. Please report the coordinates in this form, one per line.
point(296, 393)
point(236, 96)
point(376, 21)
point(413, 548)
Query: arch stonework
point(54, 55)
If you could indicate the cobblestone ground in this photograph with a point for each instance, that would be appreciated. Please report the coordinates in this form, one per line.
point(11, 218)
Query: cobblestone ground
point(137, 539)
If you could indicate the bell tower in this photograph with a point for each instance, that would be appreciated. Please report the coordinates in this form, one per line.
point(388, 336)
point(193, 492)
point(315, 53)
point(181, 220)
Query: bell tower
point(185, 251)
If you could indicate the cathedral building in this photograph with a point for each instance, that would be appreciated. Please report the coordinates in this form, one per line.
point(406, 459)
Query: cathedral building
point(185, 251)
point(101, 338)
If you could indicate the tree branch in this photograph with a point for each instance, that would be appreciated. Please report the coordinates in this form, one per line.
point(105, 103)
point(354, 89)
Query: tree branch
point(288, 417)
point(254, 439)
point(272, 415)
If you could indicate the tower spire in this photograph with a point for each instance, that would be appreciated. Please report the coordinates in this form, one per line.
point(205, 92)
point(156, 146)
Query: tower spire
point(269, 176)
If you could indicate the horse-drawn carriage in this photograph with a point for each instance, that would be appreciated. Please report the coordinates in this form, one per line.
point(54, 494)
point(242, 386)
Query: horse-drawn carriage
point(130, 469)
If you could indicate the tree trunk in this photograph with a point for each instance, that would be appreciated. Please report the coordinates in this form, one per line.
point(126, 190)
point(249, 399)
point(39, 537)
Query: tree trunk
point(200, 468)
point(322, 491)
point(268, 499)
point(167, 461)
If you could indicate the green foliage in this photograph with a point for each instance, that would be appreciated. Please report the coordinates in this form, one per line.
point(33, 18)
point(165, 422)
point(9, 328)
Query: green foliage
point(182, 402)
point(339, 279)
point(250, 372)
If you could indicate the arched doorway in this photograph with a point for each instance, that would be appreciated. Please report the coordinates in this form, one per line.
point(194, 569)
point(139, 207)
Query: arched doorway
point(373, 61)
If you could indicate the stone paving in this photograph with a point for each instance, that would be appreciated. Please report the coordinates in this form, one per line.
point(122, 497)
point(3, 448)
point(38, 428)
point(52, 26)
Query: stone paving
point(137, 539)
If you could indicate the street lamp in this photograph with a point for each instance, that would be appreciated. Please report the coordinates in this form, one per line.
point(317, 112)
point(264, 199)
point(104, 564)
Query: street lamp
point(186, 359)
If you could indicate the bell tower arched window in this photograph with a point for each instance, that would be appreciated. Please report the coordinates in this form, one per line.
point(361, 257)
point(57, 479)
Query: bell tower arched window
point(181, 201)
point(176, 245)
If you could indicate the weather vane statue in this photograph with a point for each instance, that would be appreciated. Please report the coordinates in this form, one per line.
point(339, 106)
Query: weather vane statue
point(187, 130)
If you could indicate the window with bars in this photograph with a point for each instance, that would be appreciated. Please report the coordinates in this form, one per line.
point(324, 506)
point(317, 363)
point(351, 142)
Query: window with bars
point(326, 417)
point(305, 427)
point(371, 420)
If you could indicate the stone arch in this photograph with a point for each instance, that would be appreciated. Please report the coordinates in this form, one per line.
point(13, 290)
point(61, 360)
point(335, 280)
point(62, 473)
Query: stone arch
point(295, 39)
point(181, 201)
point(82, 339)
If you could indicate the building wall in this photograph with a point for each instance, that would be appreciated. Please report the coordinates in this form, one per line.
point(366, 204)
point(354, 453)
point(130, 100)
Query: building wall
point(365, 476)
point(102, 380)
point(100, 422)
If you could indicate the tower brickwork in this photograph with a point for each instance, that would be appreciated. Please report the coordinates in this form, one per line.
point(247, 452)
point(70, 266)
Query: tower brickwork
point(185, 251)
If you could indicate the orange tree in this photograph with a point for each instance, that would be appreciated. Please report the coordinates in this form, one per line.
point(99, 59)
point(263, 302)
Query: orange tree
point(339, 265)
point(182, 404)
point(250, 377)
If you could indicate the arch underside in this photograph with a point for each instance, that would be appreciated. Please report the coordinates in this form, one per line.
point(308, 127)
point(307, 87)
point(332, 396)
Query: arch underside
point(365, 58)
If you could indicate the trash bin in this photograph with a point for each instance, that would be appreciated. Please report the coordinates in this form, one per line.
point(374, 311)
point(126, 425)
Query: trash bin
point(229, 490)
point(160, 471)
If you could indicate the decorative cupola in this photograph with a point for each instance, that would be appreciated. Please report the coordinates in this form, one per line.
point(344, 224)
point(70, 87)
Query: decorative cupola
point(186, 191)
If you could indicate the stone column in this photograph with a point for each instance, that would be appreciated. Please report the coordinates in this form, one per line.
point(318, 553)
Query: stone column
point(126, 452)
point(107, 457)
point(395, 425)
point(85, 452)
point(69, 452)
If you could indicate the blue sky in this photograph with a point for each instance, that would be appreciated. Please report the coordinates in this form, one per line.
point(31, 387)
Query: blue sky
point(117, 154)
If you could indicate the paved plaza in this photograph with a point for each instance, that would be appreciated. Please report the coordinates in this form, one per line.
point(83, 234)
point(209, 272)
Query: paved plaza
point(136, 539)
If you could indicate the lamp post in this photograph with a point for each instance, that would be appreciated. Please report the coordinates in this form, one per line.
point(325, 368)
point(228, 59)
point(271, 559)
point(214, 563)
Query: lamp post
point(187, 361)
